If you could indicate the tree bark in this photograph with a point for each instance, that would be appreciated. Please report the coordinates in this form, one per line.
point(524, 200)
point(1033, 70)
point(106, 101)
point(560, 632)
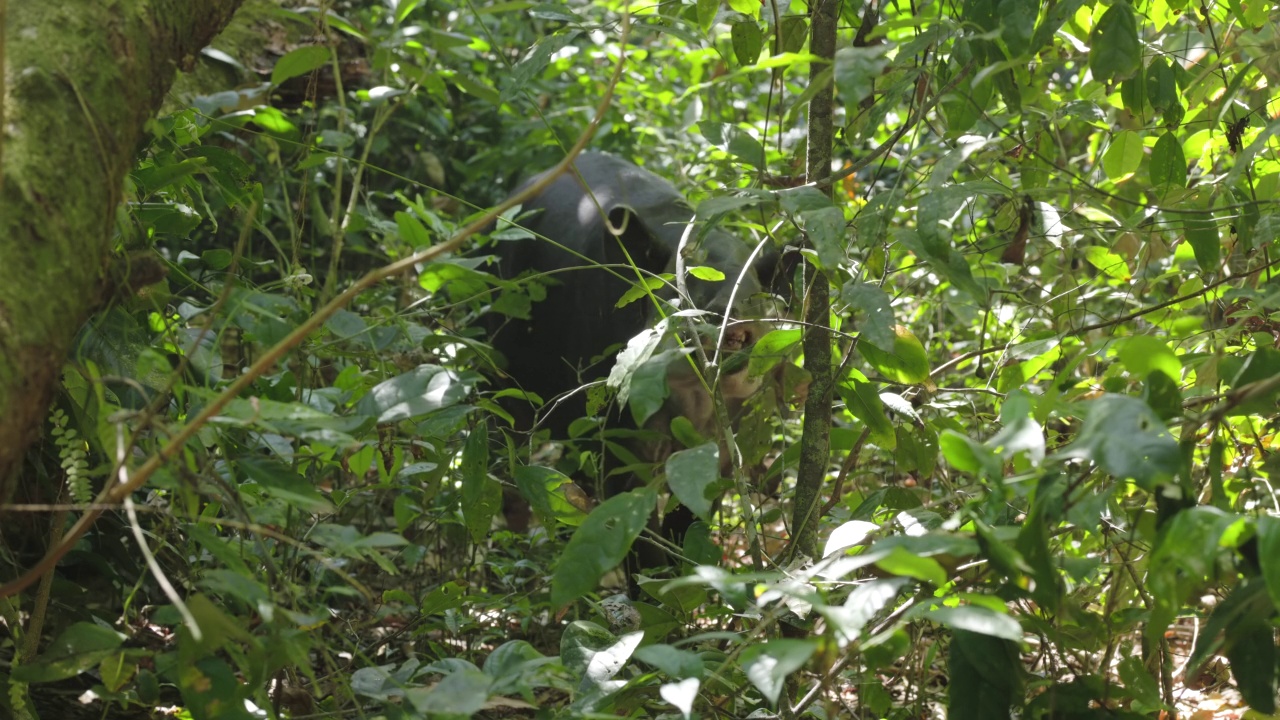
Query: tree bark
point(815, 439)
point(81, 78)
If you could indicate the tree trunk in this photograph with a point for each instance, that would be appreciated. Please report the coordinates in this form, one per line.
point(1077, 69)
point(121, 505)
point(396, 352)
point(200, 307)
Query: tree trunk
point(815, 439)
point(81, 77)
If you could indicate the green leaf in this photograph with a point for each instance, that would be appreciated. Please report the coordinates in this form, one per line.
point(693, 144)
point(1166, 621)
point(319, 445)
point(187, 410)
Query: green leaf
point(1127, 440)
point(446, 597)
point(535, 63)
point(1251, 648)
point(1114, 49)
point(1108, 262)
point(864, 403)
point(747, 42)
point(462, 692)
point(682, 695)
point(672, 661)
point(1202, 235)
point(595, 654)
point(550, 495)
point(978, 619)
point(709, 274)
point(1268, 528)
point(969, 455)
point(282, 482)
point(856, 71)
point(600, 544)
point(481, 494)
point(423, 390)
point(968, 104)
point(822, 221)
point(1017, 25)
point(985, 677)
point(768, 665)
point(1124, 155)
point(901, 563)
point(1162, 85)
point(772, 349)
point(300, 62)
point(1143, 354)
point(1168, 163)
point(906, 362)
point(742, 145)
point(795, 31)
point(690, 473)
point(878, 327)
point(750, 8)
point(707, 11)
point(78, 648)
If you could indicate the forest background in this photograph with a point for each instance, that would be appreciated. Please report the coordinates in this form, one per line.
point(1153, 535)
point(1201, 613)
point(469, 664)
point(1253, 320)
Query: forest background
point(251, 458)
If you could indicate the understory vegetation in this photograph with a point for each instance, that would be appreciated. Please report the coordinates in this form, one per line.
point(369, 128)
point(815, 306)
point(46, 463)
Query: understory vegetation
point(1046, 491)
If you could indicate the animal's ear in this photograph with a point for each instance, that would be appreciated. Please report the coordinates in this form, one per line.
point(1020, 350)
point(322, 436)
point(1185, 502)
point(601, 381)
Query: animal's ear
point(647, 250)
point(777, 269)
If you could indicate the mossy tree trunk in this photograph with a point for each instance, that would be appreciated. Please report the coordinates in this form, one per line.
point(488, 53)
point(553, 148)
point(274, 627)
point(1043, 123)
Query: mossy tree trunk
point(81, 78)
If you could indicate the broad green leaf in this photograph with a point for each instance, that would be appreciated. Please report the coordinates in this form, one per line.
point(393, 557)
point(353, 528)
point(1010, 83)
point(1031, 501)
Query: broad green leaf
point(420, 391)
point(901, 563)
point(1108, 262)
point(968, 455)
point(856, 71)
point(535, 63)
point(446, 597)
point(300, 62)
point(211, 689)
point(284, 483)
point(1202, 235)
point(984, 676)
point(1017, 25)
point(864, 403)
point(594, 654)
point(707, 10)
point(639, 290)
point(1142, 354)
point(1127, 440)
point(553, 497)
point(795, 31)
point(739, 143)
point(673, 661)
point(1268, 528)
point(690, 473)
point(600, 544)
point(878, 327)
point(1114, 49)
point(1168, 163)
point(768, 665)
point(1251, 648)
point(78, 648)
point(906, 362)
point(1162, 86)
point(747, 42)
point(462, 692)
point(682, 695)
point(775, 347)
point(1124, 155)
point(822, 221)
point(481, 494)
point(976, 619)
point(967, 104)
point(750, 8)
point(862, 605)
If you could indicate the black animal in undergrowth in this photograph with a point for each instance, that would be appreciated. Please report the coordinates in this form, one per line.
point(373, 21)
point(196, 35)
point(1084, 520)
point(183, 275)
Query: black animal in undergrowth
point(597, 231)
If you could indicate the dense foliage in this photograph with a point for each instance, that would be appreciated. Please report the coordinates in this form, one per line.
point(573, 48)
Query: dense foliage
point(1049, 255)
